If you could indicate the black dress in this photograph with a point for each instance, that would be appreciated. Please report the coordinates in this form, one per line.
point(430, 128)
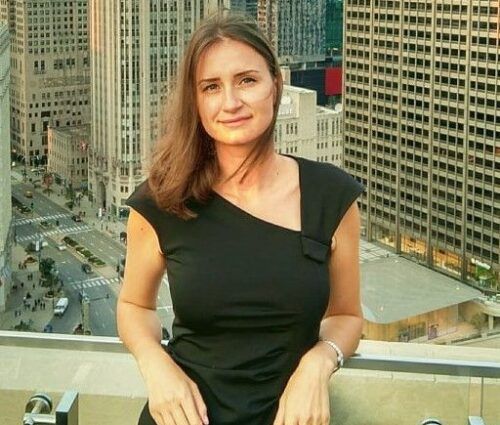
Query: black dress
point(248, 295)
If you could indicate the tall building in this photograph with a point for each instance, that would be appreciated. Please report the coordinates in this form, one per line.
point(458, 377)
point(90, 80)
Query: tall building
point(50, 82)
point(296, 29)
point(422, 130)
point(135, 50)
point(5, 188)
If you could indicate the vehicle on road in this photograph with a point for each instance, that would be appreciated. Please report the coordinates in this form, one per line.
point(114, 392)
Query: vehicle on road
point(76, 218)
point(86, 268)
point(61, 247)
point(30, 260)
point(61, 306)
point(28, 194)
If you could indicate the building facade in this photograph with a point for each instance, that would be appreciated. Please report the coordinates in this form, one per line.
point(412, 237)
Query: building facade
point(50, 82)
point(307, 130)
point(5, 187)
point(334, 26)
point(135, 50)
point(296, 29)
point(422, 130)
point(68, 155)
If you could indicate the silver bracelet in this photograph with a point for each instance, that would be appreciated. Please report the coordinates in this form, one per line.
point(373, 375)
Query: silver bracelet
point(340, 355)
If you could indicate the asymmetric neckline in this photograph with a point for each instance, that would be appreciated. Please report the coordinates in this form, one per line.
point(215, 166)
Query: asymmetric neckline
point(253, 217)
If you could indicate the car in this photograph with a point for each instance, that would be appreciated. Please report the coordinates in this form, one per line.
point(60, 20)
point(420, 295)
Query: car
point(76, 218)
point(86, 268)
point(61, 247)
point(28, 194)
point(29, 260)
point(61, 306)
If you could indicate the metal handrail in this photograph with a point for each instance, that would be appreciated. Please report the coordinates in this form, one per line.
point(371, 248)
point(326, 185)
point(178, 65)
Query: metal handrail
point(360, 361)
point(424, 365)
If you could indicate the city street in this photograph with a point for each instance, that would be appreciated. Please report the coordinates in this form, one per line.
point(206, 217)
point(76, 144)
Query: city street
point(51, 221)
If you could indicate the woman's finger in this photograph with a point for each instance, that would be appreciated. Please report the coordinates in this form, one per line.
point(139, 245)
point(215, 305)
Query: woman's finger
point(179, 416)
point(201, 408)
point(191, 411)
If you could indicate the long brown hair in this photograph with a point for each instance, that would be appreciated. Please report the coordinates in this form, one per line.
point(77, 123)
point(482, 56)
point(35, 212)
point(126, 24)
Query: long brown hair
point(184, 163)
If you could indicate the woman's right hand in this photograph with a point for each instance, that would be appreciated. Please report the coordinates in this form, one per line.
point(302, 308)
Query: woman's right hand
point(174, 399)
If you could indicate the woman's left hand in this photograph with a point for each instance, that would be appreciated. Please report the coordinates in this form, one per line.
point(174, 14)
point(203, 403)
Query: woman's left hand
point(306, 400)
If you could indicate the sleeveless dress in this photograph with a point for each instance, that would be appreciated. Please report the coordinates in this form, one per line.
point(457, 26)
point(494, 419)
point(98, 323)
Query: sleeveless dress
point(248, 295)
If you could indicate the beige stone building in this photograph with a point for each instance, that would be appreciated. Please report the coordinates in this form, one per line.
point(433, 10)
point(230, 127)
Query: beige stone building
point(5, 186)
point(68, 154)
point(135, 50)
point(307, 130)
point(422, 130)
point(50, 82)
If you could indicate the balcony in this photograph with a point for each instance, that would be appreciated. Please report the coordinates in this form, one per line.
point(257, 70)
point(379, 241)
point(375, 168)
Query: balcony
point(386, 383)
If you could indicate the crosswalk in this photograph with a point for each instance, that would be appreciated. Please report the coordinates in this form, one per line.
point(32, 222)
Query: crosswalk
point(100, 281)
point(23, 221)
point(67, 230)
point(94, 282)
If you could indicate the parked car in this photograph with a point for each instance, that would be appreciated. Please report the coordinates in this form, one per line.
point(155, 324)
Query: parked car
point(76, 218)
point(61, 306)
point(28, 194)
point(61, 247)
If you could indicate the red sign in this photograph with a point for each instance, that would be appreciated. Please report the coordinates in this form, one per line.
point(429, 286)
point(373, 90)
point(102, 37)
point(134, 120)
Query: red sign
point(333, 81)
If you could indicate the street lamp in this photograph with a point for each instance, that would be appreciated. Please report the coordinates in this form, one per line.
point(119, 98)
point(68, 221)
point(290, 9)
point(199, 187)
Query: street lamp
point(85, 300)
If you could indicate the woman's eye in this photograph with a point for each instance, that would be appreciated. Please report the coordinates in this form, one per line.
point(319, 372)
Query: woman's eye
point(248, 80)
point(210, 87)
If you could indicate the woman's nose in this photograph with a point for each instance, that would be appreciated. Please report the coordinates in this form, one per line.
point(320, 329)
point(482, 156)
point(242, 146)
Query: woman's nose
point(231, 99)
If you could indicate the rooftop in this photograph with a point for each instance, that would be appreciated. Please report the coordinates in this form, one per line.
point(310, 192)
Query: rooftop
point(394, 288)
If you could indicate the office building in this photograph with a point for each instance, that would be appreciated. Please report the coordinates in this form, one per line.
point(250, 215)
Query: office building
point(50, 82)
point(135, 50)
point(305, 129)
point(68, 155)
point(422, 130)
point(5, 188)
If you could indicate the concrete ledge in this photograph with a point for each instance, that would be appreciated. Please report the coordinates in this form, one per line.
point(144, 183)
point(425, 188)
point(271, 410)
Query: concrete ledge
point(111, 390)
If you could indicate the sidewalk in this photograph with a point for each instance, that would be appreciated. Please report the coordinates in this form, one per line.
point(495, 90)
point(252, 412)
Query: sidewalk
point(35, 317)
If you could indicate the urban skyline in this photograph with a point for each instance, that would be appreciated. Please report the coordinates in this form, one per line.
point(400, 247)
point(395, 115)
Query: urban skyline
point(396, 138)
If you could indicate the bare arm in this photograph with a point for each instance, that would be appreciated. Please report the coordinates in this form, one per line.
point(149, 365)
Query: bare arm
point(306, 398)
point(138, 325)
point(174, 399)
point(343, 320)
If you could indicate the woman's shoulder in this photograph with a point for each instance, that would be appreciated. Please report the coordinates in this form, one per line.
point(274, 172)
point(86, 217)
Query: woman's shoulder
point(324, 176)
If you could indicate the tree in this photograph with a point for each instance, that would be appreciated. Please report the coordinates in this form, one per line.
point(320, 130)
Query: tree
point(49, 273)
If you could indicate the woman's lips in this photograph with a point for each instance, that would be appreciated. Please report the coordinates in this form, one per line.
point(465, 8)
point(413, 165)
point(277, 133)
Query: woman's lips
point(235, 122)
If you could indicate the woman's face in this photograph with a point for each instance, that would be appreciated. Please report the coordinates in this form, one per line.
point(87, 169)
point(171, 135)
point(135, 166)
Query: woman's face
point(235, 92)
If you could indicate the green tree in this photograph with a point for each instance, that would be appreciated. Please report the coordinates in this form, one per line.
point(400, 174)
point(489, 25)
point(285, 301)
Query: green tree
point(48, 272)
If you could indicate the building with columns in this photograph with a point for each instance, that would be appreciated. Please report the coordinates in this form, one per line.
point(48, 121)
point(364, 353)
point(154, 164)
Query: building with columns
point(135, 48)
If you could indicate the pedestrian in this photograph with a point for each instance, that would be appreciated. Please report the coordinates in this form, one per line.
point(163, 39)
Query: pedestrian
point(286, 284)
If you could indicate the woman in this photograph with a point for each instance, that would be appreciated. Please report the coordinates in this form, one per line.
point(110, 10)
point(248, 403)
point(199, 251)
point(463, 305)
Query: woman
point(261, 251)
